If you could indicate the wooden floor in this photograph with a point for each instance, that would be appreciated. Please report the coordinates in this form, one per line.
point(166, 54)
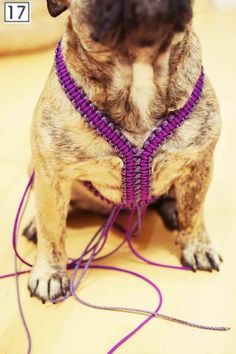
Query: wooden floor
point(202, 297)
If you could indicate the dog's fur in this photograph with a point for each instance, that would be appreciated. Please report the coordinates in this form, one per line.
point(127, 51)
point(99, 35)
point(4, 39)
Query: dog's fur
point(136, 60)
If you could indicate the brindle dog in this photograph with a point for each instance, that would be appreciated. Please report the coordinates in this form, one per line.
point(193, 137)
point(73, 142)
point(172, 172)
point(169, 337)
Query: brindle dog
point(136, 60)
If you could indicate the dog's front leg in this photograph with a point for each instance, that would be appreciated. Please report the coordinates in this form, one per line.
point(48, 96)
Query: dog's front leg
point(191, 189)
point(48, 278)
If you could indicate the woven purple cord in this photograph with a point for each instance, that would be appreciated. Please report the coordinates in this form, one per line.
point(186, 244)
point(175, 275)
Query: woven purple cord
point(136, 173)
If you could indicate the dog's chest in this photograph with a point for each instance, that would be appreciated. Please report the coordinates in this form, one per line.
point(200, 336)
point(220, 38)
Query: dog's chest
point(134, 99)
point(91, 158)
point(104, 168)
point(140, 90)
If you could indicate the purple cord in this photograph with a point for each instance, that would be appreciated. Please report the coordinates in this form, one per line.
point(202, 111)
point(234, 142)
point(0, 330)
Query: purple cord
point(85, 264)
point(14, 274)
point(128, 233)
point(16, 254)
point(16, 222)
point(27, 331)
point(149, 318)
point(111, 219)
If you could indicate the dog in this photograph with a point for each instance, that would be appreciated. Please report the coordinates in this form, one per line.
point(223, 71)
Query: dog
point(137, 61)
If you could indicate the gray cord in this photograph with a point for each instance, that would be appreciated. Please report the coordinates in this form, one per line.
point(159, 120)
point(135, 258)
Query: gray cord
point(146, 312)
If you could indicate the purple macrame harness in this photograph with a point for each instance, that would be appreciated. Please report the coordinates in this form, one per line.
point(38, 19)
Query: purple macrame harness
point(137, 172)
point(136, 185)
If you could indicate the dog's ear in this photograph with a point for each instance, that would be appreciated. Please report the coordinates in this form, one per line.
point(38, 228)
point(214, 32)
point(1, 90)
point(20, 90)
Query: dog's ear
point(56, 7)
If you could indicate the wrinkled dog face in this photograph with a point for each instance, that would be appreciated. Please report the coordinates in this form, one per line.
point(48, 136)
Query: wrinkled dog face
point(135, 22)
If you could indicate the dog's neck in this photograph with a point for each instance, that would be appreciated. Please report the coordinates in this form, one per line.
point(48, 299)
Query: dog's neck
point(135, 90)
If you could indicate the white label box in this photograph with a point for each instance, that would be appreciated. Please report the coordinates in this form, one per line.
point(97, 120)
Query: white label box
point(17, 12)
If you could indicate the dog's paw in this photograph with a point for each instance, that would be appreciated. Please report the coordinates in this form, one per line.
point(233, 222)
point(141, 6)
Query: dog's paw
point(30, 232)
point(201, 256)
point(48, 283)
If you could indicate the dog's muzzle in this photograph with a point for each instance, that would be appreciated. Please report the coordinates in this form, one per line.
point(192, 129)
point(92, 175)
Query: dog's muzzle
point(119, 19)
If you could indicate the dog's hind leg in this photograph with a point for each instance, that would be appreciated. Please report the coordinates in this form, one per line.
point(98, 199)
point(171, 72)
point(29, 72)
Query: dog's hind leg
point(48, 278)
point(166, 207)
point(30, 231)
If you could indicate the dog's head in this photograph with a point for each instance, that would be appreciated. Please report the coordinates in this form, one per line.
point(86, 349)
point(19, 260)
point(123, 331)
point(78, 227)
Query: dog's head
point(134, 22)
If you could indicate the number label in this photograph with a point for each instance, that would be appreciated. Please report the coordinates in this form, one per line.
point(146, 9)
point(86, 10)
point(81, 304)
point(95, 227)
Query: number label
point(17, 12)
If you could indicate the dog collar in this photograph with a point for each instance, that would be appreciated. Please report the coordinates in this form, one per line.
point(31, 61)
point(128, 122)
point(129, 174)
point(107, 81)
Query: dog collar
point(137, 170)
